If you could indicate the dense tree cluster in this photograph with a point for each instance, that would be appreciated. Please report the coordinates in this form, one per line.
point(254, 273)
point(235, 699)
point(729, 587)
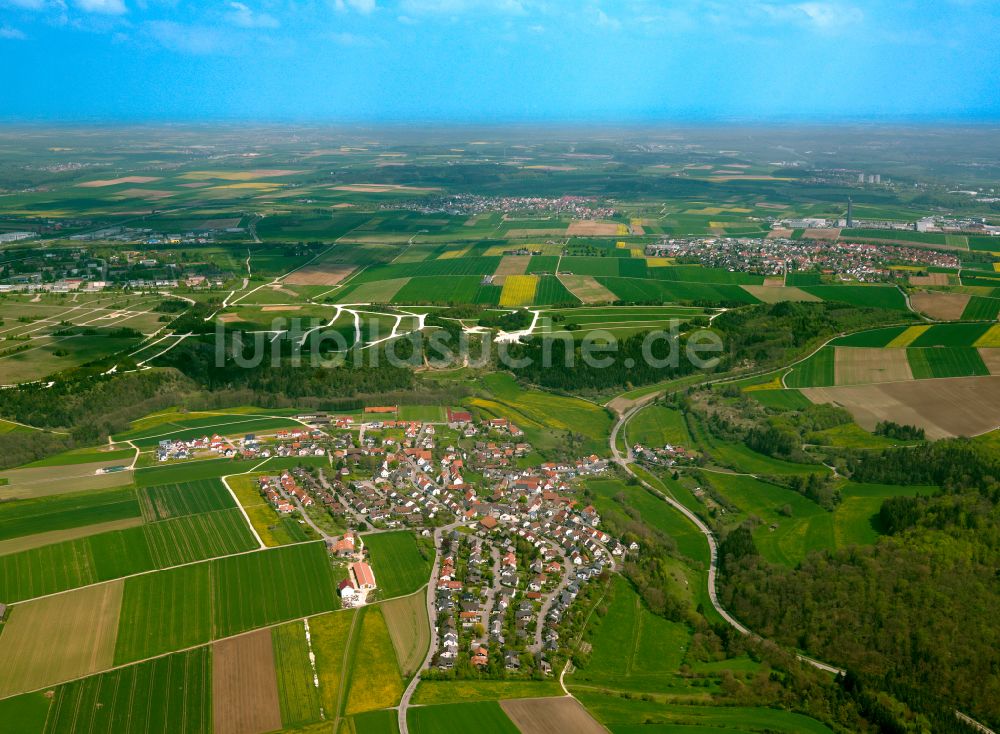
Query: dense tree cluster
point(769, 335)
point(508, 321)
point(197, 360)
point(561, 364)
point(912, 615)
point(900, 432)
point(952, 463)
point(757, 336)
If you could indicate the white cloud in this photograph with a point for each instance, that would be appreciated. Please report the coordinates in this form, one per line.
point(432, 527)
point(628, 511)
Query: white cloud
point(242, 16)
point(455, 7)
point(103, 7)
point(353, 40)
point(828, 15)
point(11, 34)
point(197, 40)
point(603, 20)
point(362, 6)
point(823, 16)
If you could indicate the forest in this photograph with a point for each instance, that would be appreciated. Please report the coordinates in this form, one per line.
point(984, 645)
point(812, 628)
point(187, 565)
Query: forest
point(910, 615)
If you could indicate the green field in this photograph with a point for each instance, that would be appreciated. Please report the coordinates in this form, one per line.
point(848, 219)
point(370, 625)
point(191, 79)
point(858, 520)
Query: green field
point(979, 308)
point(25, 714)
point(118, 553)
point(654, 511)
point(177, 608)
point(945, 362)
point(851, 435)
point(856, 517)
point(658, 425)
point(255, 589)
point(165, 611)
point(423, 413)
point(781, 400)
point(169, 694)
point(950, 335)
point(399, 567)
point(799, 279)
point(485, 717)
point(638, 290)
point(870, 338)
point(197, 537)
point(816, 371)
point(46, 570)
point(872, 296)
point(780, 538)
point(225, 425)
point(793, 526)
point(190, 471)
point(699, 274)
point(60, 512)
point(188, 498)
point(631, 716)
point(632, 648)
point(384, 721)
point(902, 235)
point(457, 691)
point(298, 696)
point(740, 458)
point(540, 414)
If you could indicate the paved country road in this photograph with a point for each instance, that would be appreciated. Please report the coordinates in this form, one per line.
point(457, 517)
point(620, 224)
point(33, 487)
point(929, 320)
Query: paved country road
point(713, 544)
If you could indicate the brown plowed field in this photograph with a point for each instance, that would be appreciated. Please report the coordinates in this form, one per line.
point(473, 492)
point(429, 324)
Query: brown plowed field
point(956, 406)
point(592, 228)
point(545, 715)
point(319, 275)
point(244, 686)
point(863, 366)
point(991, 358)
point(941, 306)
point(929, 279)
point(510, 265)
point(587, 289)
point(774, 294)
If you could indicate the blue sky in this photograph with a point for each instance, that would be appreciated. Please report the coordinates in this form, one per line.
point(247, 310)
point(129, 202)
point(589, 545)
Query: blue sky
point(498, 60)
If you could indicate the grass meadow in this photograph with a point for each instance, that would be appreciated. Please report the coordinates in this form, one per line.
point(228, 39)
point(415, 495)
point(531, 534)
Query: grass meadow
point(485, 717)
point(395, 558)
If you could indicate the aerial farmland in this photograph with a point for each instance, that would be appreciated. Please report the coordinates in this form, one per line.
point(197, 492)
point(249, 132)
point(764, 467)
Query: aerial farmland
point(358, 434)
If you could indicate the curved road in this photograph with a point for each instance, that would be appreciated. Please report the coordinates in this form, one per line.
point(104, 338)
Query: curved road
point(713, 544)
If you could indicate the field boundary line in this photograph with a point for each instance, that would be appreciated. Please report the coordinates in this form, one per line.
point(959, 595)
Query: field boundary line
point(246, 516)
point(211, 642)
point(161, 655)
point(343, 689)
point(167, 568)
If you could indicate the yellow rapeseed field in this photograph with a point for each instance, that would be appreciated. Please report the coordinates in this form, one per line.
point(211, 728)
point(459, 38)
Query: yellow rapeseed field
point(908, 337)
point(519, 290)
point(991, 338)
